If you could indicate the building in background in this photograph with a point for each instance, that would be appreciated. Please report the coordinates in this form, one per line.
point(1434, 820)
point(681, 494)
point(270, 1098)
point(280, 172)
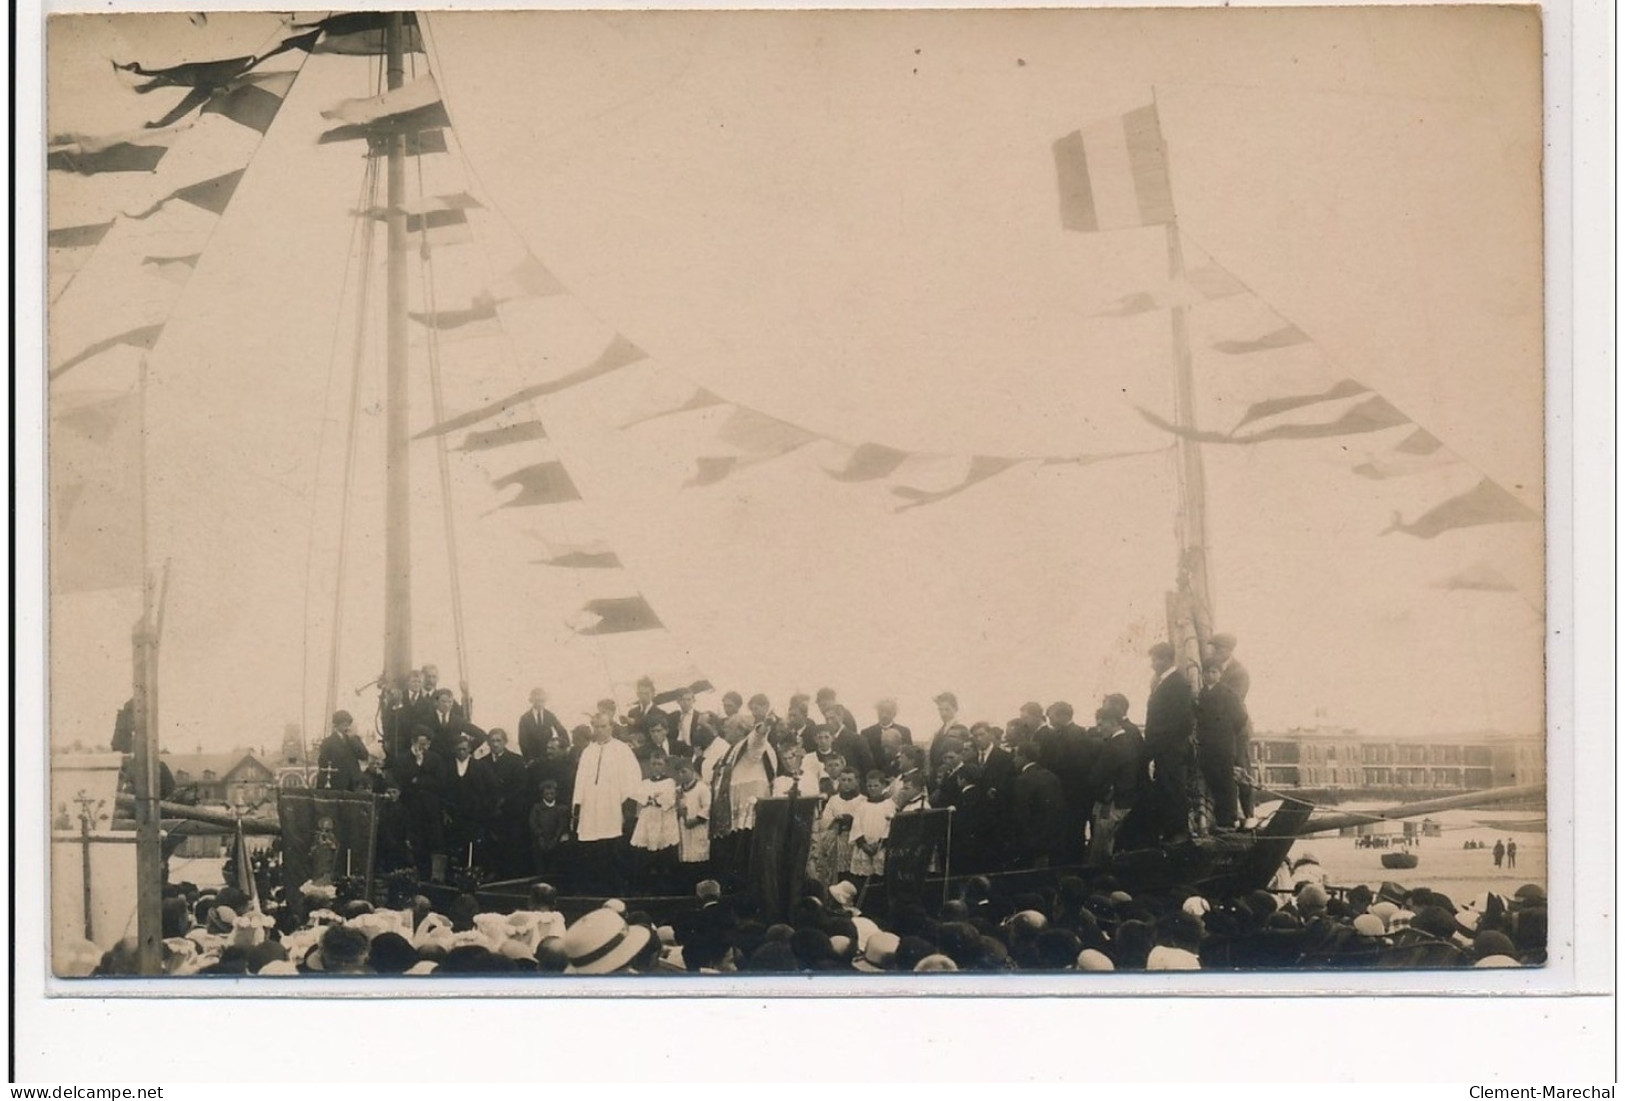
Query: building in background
point(236, 779)
point(1333, 764)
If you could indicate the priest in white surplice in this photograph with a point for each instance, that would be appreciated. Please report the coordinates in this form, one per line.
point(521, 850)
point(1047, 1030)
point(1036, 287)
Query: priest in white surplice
point(607, 778)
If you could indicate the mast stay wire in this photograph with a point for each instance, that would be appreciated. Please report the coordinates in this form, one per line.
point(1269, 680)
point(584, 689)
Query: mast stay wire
point(572, 533)
point(442, 456)
point(363, 194)
point(364, 229)
point(364, 288)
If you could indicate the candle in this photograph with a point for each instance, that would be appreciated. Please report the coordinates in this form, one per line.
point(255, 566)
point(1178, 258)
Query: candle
point(471, 854)
point(346, 863)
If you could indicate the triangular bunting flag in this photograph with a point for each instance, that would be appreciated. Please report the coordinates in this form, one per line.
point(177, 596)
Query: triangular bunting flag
point(77, 236)
point(1485, 503)
point(213, 194)
point(1131, 305)
point(1346, 388)
point(361, 34)
point(1479, 577)
point(483, 308)
point(530, 277)
point(1284, 337)
point(118, 157)
point(146, 336)
point(711, 469)
point(762, 434)
point(1415, 454)
point(869, 461)
point(305, 42)
point(193, 74)
point(539, 484)
point(584, 556)
point(176, 269)
point(702, 399)
point(523, 432)
point(982, 467)
point(620, 353)
point(1372, 415)
point(615, 616)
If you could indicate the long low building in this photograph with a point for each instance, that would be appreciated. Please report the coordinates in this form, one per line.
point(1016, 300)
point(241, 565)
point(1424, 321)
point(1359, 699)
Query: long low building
point(1341, 763)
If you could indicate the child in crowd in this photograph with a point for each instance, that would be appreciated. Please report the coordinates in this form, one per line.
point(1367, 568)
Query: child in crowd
point(655, 837)
point(871, 825)
point(549, 828)
point(693, 824)
point(832, 840)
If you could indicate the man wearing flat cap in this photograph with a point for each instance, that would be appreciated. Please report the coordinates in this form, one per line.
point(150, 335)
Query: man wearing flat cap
point(1233, 676)
point(342, 758)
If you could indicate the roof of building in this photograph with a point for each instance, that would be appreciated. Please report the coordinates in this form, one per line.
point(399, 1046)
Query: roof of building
point(223, 765)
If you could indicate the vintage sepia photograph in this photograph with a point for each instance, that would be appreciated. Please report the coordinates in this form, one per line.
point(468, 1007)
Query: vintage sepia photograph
point(539, 495)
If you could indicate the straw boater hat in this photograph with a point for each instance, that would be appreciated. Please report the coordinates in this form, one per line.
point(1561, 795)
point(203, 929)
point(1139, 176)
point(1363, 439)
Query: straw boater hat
point(878, 952)
point(601, 943)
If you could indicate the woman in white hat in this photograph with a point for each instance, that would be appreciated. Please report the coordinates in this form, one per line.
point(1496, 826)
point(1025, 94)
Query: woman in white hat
point(602, 943)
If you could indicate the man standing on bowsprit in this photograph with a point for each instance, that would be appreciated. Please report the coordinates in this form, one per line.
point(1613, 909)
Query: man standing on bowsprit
point(1170, 723)
point(1233, 675)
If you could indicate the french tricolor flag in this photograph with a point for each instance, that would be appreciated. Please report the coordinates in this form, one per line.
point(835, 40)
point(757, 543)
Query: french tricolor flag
point(1114, 174)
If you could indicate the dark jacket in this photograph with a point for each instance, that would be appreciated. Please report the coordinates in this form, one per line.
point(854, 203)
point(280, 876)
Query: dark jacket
point(534, 736)
point(1119, 769)
point(1037, 814)
point(1170, 716)
point(873, 738)
point(340, 763)
point(1221, 720)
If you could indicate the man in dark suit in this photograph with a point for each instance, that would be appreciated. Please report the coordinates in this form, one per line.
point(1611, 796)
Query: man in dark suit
point(468, 801)
point(687, 722)
point(1221, 724)
point(446, 722)
point(342, 758)
point(1075, 752)
point(421, 778)
point(638, 715)
point(799, 727)
point(1118, 774)
point(1037, 812)
point(1170, 725)
point(886, 737)
point(510, 810)
point(1234, 676)
point(948, 711)
point(538, 726)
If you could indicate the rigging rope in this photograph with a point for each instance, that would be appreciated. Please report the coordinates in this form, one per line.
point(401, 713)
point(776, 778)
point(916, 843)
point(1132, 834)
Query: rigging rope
point(442, 457)
point(363, 292)
point(369, 189)
point(358, 227)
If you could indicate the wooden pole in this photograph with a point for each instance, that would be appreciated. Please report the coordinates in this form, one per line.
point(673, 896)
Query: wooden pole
point(149, 856)
point(398, 488)
point(1191, 626)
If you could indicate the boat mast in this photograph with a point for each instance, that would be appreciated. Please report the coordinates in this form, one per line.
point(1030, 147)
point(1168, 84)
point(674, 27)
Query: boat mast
point(397, 498)
point(1190, 607)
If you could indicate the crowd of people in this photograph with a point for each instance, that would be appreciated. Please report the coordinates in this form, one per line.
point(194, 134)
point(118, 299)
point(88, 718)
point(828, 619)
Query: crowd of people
point(1072, 926)
point(656, 799)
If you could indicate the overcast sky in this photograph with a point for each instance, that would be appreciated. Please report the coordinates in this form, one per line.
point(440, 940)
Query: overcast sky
point(848, 221)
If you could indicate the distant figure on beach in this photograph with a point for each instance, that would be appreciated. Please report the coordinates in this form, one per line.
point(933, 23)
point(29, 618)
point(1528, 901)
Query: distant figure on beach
point(1499, 852)
point(1512, 853)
